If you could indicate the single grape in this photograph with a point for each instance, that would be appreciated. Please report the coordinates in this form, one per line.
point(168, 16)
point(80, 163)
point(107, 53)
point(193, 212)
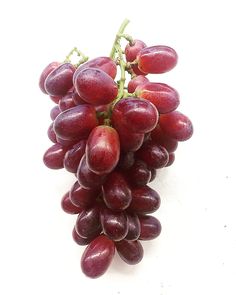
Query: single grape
point(145, 200)
point(67, 102)
point(137, 71)
point(139, 174)
point(116, 192)
point(73, 156)
point(79, 240)
point(164, 97)
point(87, 178)
point(83, 197)
point(160, 138)
point(49, 68)
point(103, 63)
point(68, 207)
point(75, 123)
point(103, 149)
point(95, 86)
point(135, 82)
point(77, 99)
point(157, 59)
point(133, 227)
point(55, 111)
point(130, 251)
point(176, 125)
point(51, 134)
point(171, 159)
point(150, 227)
point(114, 224)
point(126, 160)
point(97, 257)
point(54, 156)
point(88, 223)
point(132, 50)
point(153, 155)
point(55, 98)
point(137, 115)
point(59, 81)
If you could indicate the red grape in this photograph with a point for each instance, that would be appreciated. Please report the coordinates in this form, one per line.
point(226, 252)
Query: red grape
point(68, 207)
point(135, 82)
point(176, 125)
point(126, 161)
point(49, 68)
point(171, 160)
point(157, 59)
point(83, 197)
point(153, 155)
point(79, 240)
point(164, 97)
point(130, 251)
point(144, 200)
point(137, 115)
point(114, 224)
point(103, 149)
point(116, 192)
point(77, 99)
point(55, 111)
point(88, 223)
point(150, 227)
point(153, 174)
point(74, 155)
point(54, 156)
point(51, 134)
point(55, 98)
point(75, 123)
point(133, 227)
point(103, 63)
point(138, 174)
point(160, 138)
point(97, 257)
point(132, 50)
point(59, 81)
point(67, 102)
point(87, 178)
point(95, 86)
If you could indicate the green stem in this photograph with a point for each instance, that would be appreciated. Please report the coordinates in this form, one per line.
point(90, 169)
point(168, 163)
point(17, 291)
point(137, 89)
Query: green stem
point(118, 36)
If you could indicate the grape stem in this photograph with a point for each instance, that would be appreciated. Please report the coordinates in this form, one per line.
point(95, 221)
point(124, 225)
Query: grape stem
point(83, 57)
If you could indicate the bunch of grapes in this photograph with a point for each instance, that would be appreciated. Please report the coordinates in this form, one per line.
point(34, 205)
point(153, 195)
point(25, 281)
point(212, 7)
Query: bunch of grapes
point(113, 136)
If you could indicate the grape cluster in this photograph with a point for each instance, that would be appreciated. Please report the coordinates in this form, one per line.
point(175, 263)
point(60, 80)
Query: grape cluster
point(113, 136)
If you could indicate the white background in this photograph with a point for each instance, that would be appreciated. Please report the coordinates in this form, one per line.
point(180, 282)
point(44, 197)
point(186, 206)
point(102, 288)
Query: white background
point(195, 253)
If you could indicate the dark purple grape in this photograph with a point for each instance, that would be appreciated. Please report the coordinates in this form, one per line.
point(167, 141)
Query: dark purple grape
point(55, 111)
point(54, 156)
point(126, 160)
point(73, 156)
point(133, 227)
point(67, 102)
point(153, 174)
point(114, 224)
point(171, 160)
point(59, 81)
point(150, 227)
point(49, 68)
point(136, 115)
point(176, 125)
point(51, 134)
point(116, 192)
point(153, 155)
point(159, 137)
point(130, 251)
point(88, 223)
point(83, 197)
point(95, 86)
point(55, 98)
point(103, 149)
point(87, 178)
point(68, 207)
point(138, 174)
point(75, 123)
point(97, 257)
point(144, 200)
point(79, 240)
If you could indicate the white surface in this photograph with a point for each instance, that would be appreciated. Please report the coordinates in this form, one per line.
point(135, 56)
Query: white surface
point(195, 253)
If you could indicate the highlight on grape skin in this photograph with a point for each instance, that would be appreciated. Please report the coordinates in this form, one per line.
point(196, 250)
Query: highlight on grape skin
point(113, 129)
